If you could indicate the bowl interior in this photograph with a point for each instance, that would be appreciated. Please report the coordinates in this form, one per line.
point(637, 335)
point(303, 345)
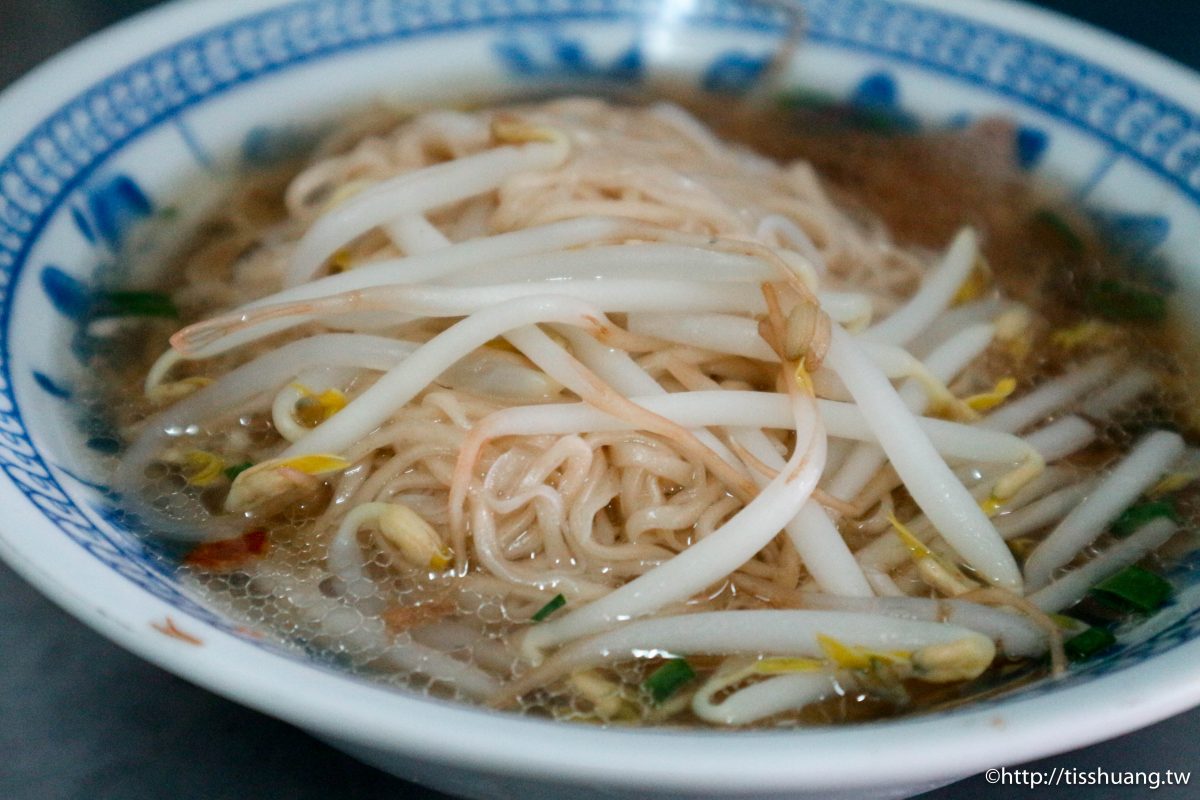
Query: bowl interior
point(121, 161)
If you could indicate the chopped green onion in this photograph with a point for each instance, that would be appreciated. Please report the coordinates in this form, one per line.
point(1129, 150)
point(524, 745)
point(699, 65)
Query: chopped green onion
point(237, 469)
point(554, 605)
point(1138, 515)
point(668, 679)
point(1099, 610)
point(1091, 642)
point(104, 444)
point(1061, 228)
point(835, 112)
point(881, 121)
point(1118, 301)
point(806, 99)
point(134, 304)
point(1136, 588)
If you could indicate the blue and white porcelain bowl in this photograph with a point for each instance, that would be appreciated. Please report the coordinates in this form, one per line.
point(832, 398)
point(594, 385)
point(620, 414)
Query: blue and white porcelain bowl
point(140, 119)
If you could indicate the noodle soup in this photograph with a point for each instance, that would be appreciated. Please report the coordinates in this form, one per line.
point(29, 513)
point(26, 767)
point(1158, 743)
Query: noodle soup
point(611, 414)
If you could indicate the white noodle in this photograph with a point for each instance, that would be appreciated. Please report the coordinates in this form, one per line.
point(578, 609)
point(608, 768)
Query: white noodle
point(711, 558)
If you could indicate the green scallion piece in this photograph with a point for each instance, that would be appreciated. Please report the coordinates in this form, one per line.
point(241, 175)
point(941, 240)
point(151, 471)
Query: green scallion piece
point(668, 679)
point(1118, 301)
point(1138, 515)
point(1089, 643)
point(1136, 588)
point(554, 605)
point(107, 445)
point(237, 469)
point(1061, 228)
point(135, 304)
point(806, 99)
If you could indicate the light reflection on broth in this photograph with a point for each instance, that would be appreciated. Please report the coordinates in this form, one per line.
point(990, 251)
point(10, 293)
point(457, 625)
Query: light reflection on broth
point(332, 496)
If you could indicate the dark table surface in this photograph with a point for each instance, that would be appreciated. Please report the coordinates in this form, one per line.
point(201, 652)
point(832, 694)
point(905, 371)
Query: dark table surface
point(81, 719)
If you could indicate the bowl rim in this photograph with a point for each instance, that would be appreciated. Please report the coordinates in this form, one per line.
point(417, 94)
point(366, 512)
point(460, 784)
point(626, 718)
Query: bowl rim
point(906, 750)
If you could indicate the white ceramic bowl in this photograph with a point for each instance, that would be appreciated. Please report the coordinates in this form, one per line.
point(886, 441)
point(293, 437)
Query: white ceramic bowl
point(105, 135)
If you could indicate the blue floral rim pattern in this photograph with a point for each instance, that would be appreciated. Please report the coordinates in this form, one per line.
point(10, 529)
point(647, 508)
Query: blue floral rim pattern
point(41, 173)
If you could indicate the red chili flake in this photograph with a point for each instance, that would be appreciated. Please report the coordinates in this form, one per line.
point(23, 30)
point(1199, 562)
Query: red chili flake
point(401, 619)
point(169, 628)
point(228, 554)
